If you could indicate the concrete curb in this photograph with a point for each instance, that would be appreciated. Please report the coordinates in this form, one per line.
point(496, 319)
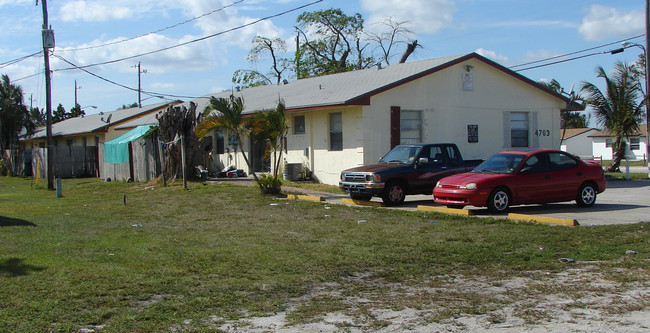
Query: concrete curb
point(445, 210)
point(543, 219)
point(305, 197)
point(361, 203)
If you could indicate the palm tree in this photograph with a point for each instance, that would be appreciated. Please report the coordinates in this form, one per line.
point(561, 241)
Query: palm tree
point(14, 116)
point(272, 124)
point(228, 116)
point(570, 119)
point(620, 109)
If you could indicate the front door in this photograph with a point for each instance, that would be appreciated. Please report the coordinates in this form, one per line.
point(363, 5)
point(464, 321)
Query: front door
point(258, 162)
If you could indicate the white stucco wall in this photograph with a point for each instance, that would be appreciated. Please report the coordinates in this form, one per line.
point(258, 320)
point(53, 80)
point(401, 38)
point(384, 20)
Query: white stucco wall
point(447, 110)
point(600, 149)
point(580, 145)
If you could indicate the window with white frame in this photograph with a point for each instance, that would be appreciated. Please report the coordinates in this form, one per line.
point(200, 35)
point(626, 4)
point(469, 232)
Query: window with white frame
point(519, 129)
point(299, 124)
point(608, 143)
point(410, 126)
point(635, 143)
point(336, 131)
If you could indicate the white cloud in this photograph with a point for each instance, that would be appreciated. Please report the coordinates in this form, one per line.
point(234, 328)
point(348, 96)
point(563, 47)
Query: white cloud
point(230, 18)
point(94, 11)
point(195, 56)
point(492, 55)
point(164, 86)
point(604, 22)
point(425, 16)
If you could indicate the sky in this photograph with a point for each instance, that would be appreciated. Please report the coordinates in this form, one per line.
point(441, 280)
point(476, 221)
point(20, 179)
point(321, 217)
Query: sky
point(113, 37)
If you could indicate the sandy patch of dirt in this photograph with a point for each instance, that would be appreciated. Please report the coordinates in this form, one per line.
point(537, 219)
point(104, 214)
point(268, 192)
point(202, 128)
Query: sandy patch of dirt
point(579, 299)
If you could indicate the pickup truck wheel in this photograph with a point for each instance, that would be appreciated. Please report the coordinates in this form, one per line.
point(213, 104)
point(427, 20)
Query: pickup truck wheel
point(362, 197)
point(499, 200)
point(394, 194)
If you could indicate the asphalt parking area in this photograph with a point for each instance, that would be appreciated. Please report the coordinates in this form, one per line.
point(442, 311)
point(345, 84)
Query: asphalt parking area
point(623, 202)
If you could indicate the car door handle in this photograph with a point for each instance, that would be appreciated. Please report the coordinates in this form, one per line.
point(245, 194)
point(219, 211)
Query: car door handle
point(578, 173)
point(547, 177)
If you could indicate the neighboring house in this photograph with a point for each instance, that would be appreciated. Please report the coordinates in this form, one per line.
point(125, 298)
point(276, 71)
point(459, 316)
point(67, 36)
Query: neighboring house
point(348, 119)
point(634, 150)
point(76, 141)
point(577, 141)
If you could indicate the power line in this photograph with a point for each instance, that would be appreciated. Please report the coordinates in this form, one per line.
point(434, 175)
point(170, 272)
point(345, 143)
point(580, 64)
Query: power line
point(154, 32)
point(17, 60)
point(572, 53)
point(195, 40)
point(152, 94)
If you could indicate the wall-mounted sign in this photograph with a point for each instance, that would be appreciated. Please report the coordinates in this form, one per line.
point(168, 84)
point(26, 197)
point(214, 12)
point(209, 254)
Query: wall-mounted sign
point(468, 82)
point(472, 133)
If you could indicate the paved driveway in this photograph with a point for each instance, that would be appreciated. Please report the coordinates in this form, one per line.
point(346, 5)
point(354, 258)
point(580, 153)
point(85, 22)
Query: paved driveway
point(623, 202)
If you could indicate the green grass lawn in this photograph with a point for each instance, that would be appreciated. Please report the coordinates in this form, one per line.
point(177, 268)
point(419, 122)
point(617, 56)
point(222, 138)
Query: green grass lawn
point(224, 251)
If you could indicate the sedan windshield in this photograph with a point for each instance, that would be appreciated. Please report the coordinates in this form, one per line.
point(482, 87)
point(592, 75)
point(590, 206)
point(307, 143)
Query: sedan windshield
point(500, 163)
point(401, 154)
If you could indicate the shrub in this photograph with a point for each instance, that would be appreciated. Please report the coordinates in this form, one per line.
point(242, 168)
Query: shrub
point(3, 168)
point(269, 184)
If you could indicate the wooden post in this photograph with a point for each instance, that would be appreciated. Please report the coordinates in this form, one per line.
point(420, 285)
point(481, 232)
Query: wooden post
point(162, 162)
point(183, 160)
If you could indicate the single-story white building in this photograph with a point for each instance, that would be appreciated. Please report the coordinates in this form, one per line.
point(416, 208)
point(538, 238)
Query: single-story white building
point(577, 141)
point(635, 149)
point(348, 119)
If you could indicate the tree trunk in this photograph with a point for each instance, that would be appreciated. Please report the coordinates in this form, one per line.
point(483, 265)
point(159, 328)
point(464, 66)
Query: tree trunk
point(410, 48)
point(619, 155)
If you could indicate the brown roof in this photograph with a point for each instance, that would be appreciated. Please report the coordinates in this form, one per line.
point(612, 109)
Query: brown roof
point(643, 131)
point(568, 133)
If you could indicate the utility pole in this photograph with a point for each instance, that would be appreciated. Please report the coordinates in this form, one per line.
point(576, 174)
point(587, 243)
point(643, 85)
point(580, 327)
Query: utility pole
point(75, 93)
point(140, 84)
point(48, 43)
point(647, 70)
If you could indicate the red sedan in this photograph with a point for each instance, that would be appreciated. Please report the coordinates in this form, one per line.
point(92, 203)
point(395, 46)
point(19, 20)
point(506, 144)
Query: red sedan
point(523, 177)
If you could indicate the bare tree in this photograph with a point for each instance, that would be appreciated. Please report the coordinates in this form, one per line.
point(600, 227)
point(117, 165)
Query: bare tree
point(390, 35)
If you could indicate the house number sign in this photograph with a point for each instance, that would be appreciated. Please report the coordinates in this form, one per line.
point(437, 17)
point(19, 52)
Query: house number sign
point(543, 133)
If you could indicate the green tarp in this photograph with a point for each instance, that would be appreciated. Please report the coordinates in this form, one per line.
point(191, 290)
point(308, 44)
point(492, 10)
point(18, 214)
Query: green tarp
point(117, 150)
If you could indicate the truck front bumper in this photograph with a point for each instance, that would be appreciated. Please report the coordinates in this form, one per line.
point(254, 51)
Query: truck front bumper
point(370, 188)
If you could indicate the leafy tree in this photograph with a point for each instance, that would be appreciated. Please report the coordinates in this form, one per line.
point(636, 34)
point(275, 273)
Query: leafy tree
point(59, 114)
point(335, 45)
point(76, 111)
point(279, 66)
point(620, 109)
point(14, 117)
point(570, 119)
point(38, 116)
point(130, 106)
point(228, 116)
point(272, 124)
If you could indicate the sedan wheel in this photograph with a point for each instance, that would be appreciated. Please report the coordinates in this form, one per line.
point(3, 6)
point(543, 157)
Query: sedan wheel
point(394, 194)
point(499, 200)
point(586, 195)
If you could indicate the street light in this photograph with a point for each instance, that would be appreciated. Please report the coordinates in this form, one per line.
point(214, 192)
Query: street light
point(647, 108)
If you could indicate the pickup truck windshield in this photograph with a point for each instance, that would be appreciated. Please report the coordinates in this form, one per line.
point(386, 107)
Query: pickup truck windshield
point(401, 154)
point(500, 163)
